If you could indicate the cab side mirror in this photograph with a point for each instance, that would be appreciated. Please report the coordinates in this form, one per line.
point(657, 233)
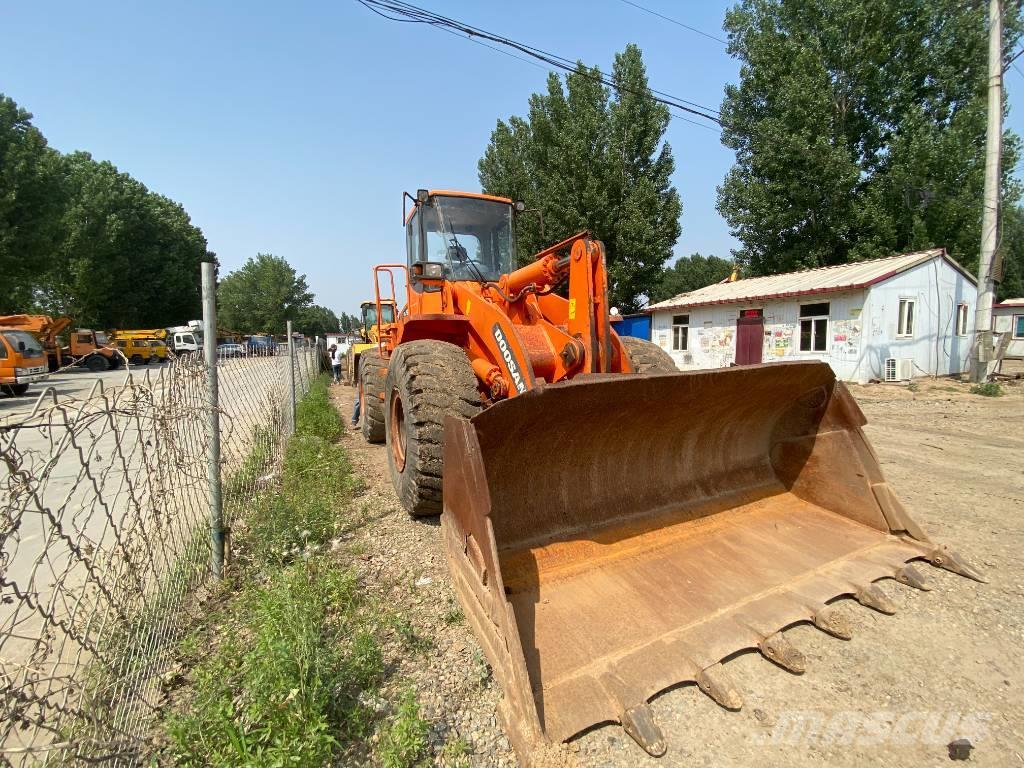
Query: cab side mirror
point(21, 346)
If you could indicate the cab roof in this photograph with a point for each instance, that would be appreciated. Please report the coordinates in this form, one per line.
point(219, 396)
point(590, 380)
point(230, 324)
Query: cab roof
point(478, 195)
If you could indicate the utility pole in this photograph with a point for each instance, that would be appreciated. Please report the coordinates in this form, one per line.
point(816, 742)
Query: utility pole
point(983, 349)
point(213, 419)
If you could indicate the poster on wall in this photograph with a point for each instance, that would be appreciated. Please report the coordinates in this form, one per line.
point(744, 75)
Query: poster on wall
point(846, 339)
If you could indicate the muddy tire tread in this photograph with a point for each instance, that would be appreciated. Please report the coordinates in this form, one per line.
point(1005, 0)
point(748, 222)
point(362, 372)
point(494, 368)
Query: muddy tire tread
point(647, 357)
point(435, 379)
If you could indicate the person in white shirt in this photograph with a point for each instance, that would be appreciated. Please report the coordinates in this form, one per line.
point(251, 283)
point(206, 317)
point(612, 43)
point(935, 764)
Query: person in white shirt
point(337, 359)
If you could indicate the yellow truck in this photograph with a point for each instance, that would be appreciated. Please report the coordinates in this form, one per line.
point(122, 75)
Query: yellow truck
point(141, 347)
point(22, 361)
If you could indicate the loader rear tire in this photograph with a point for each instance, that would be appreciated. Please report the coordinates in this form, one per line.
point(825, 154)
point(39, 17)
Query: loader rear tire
point(371, 387)
point(646, 357)
point(427, 380)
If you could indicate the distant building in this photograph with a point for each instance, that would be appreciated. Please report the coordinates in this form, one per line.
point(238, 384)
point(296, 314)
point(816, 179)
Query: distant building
point(890, 319)
point(1008, 317)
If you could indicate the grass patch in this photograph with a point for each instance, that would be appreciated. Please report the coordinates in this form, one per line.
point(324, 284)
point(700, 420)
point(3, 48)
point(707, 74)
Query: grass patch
point(284, 685)
point(988, 389)
point(314, 414)
point(403, 739)
point(288, 669)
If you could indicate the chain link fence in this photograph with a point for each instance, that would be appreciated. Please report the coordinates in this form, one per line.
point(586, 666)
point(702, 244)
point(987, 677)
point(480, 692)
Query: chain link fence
point(105, 538)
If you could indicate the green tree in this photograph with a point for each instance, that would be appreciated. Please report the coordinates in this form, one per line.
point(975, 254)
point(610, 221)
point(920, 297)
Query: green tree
point(1011, 253)
point(80, 238)
point(593, 160)
point(31, 205)
point(262, 296)
point(315, 320)
point(349, 323)
point(690, 273)
point(128, 257)
point(858, 129)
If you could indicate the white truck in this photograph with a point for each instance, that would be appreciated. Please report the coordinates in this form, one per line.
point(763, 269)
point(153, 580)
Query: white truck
point(186, 339)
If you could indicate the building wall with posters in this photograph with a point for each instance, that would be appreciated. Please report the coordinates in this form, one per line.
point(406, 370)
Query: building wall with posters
point(912, 314)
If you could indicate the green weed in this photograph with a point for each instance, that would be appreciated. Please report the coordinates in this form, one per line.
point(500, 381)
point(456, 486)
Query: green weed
point(988, 389)
point(403, 740)
point(285, 681)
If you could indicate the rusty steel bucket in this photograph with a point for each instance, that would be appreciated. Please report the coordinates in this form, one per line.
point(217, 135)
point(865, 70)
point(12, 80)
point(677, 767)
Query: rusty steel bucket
point(616, 535)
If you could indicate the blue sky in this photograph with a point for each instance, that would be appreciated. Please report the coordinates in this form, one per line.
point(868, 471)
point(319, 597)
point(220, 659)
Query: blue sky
point(293, 128)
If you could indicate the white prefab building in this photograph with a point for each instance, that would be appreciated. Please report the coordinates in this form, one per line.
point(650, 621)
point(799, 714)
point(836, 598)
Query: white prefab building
point(1008, 317)
point(888, 319)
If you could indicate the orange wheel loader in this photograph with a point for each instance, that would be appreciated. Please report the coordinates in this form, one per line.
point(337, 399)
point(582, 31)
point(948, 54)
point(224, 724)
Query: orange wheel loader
point(615, 527)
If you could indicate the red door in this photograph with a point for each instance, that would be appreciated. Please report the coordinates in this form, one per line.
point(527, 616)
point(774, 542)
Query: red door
point(749, 337)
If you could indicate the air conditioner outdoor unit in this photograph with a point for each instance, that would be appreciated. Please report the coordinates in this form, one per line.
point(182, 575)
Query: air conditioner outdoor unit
point(905, 369)
point(899, 369)
point(890, 369)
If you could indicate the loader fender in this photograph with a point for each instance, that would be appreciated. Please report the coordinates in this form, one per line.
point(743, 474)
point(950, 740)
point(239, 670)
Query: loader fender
point(614, 536)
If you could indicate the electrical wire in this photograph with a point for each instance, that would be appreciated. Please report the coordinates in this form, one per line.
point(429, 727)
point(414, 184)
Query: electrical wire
point(398, 10)
point(675, 21)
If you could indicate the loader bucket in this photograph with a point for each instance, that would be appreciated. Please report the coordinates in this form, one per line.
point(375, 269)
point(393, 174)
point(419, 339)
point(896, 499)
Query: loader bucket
point(617, 535)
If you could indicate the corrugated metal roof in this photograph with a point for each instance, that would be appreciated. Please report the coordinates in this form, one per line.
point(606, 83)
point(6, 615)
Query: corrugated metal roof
point(843, 277)
point(1009, 303)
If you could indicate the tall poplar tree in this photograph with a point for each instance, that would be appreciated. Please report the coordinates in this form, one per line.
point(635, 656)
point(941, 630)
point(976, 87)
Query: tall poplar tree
point(589, 157)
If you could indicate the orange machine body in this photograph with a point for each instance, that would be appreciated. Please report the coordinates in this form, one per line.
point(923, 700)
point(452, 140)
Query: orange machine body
point(517, 331)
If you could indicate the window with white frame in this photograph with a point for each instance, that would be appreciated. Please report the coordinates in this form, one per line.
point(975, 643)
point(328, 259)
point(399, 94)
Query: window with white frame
point(961, 319)
point(905, 327)
point(814, 327)
point(680, 332)
point(1018, 326)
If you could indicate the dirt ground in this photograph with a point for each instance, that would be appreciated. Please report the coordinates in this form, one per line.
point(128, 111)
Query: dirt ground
point(946, 666)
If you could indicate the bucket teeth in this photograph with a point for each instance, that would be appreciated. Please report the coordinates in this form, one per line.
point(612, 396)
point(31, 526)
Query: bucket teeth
point(943, 557)
point(717, 684)
point(831, 621)
point(639, 723)
point(912, 577)
point(872, 597)
point(778, 649)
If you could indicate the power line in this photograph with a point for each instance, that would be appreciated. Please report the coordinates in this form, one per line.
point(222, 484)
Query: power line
point(398, 10)
point(675, 21)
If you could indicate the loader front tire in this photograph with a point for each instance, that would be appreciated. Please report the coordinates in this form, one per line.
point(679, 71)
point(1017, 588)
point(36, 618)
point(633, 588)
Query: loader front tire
point(427, 380)
point(371, 387)
point(646, 357)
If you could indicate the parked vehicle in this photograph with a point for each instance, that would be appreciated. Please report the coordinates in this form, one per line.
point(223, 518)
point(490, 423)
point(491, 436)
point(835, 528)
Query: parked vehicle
point(142, 346)
point(45, 329)
point(157, 351)
point(22, 361)
point(93, 350)
point(185, 339)
point(369, 333)
point(614, 526)
point(225, 351)
point(261, 346)
point(136, 350)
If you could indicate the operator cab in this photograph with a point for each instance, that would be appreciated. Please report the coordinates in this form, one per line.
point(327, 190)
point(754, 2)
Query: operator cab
point(387, 311)
point(469, 236)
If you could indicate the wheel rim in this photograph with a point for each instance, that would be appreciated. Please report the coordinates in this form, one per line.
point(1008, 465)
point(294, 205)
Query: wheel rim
point(396, 419)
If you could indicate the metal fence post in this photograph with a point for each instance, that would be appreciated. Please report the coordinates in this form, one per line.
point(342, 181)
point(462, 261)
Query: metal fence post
point(291, 377)
point(213, 420)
